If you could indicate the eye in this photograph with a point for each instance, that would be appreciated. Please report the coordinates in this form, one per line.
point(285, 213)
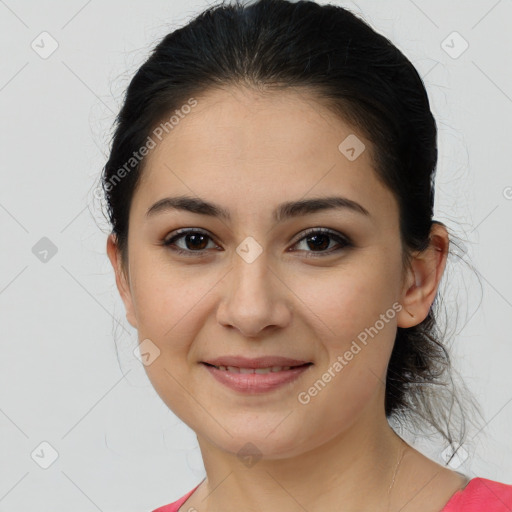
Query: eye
point(196, 241)
point(318, 238)
point(192, 237)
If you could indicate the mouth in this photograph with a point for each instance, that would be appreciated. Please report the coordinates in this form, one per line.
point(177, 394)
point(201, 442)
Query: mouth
point(259, 380)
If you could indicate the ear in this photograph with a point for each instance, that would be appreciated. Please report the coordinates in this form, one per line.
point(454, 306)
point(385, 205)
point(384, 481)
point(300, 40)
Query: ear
point(122, 283)
point(423, 278)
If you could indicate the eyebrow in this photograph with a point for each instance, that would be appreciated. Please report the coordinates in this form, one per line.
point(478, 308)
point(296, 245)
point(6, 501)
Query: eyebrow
point(283, 211)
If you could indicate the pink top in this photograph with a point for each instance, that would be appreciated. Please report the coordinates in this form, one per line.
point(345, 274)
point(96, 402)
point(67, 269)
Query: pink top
point(479, 495)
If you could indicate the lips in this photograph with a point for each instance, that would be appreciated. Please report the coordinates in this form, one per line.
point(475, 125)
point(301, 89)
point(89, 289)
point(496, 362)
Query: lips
point(256, 380)
point(256, 375)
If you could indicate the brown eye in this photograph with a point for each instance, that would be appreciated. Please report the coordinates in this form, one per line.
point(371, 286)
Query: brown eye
point(318, 240)
point(194, 241)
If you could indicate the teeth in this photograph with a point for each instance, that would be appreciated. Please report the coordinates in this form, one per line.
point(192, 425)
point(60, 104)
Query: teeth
point(235, 369)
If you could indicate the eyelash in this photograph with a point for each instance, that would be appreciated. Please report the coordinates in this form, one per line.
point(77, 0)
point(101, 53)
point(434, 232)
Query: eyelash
point(341, 239)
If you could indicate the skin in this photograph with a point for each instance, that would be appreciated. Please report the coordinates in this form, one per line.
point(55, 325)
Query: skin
point(249, 152)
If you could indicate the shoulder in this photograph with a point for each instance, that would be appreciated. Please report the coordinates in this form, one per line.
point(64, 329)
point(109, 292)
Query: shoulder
point(481, 494)
point(174, 507)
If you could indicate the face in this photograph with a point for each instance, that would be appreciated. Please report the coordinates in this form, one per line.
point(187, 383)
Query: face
point(254, 285)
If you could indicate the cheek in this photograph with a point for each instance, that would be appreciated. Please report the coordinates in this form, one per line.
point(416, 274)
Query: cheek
point(357, 331)
point(344, 302)
point(168, 299)
point(171, 311)
point(353, 319)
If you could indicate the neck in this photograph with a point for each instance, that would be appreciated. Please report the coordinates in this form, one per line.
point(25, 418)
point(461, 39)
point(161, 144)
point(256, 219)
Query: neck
point(356, 468)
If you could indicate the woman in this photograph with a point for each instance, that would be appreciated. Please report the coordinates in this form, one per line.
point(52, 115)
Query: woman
point(270, 189)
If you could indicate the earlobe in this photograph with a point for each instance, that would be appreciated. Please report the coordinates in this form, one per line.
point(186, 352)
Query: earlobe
point(423, 278)
point(121, 279)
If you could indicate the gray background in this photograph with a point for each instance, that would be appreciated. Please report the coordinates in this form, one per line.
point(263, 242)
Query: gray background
point(119, 447)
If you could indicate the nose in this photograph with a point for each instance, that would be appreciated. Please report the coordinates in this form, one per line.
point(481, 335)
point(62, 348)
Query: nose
point(254, 298)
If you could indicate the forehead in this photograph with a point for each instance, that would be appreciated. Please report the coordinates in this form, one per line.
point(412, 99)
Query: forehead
point(243, 147)
point(246, 125)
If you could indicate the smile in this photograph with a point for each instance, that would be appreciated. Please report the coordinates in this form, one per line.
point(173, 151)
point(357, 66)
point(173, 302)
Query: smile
point(256, 380)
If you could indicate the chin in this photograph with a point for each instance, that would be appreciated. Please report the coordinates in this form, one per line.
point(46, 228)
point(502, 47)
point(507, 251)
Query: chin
point(253, 444)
